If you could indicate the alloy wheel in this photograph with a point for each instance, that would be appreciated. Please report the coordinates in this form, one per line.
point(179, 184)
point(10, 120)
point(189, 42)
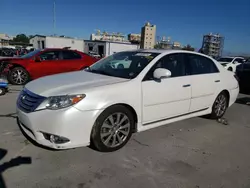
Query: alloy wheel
point(19, 76)
point(115, 130)
point(220, 105)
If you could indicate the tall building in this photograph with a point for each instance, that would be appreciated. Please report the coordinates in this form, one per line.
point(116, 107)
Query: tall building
point(212, 45)
point(148, 33)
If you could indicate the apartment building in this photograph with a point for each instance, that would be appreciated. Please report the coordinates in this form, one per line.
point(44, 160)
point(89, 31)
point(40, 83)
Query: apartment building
point(212, 45)
point(148, 33)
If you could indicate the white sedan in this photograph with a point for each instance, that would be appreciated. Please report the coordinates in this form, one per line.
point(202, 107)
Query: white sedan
point(104, 105)
point(230, 63)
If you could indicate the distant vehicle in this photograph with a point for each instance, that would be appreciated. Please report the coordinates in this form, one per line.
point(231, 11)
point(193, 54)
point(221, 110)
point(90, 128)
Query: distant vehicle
point(230, 63)
point(105, 104)
point(45, 62)
point(243, 74)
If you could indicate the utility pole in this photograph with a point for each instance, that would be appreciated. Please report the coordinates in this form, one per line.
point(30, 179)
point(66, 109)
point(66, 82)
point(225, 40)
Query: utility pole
point(54, 17)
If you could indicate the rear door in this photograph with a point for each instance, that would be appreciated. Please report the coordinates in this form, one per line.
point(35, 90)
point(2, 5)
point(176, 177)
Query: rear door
point(205, 81)
point(71, 60)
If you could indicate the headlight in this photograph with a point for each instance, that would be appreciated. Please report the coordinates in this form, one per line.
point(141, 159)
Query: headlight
point(58, 102)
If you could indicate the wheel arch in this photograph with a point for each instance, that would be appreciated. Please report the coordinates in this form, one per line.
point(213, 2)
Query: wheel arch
point(227, 94)
point(131, 109)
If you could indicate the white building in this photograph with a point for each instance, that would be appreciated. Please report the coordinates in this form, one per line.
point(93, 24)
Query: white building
point(41, 42)
point(106, 48)
point(105, 36)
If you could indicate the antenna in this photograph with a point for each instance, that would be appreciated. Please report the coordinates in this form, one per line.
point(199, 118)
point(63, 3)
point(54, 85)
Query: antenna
point(54, 17)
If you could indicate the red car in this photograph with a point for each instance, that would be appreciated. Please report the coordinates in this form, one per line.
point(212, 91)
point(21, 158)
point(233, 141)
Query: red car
point(45, 62)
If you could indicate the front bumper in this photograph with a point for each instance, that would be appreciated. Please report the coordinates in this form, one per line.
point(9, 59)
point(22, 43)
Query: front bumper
point(70, 123)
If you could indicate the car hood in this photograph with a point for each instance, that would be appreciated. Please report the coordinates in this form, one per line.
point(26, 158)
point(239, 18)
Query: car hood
point(70, 83)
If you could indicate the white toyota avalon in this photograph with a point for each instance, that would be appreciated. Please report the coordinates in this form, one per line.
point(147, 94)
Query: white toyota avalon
point(124, 93)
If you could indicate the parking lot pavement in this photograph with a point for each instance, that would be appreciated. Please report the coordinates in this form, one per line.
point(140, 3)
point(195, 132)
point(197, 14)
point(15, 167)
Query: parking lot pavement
point(195, 153)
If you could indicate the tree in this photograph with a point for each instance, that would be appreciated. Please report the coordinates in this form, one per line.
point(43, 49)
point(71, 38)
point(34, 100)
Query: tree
point(188, 48)
point(22, 38)
point(158, 46)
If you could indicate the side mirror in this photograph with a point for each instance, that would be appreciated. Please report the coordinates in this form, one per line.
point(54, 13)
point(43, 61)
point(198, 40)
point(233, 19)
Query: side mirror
point(161, 73)
point(235, 62)
point(37, 59)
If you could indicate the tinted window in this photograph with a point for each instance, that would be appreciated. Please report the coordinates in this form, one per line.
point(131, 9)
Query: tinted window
point(201, 65)
point(71, 55)
point(172, 62)
point(50, 55)
point(225, 59)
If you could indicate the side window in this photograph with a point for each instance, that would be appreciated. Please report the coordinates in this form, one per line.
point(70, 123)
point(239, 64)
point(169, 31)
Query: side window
point(49, 55)
point(201, 65)
point(172, 62)
point(68, 55)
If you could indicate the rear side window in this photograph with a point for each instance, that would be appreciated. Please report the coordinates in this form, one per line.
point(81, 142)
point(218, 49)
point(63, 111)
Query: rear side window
point(201, 65)
point(70, 55)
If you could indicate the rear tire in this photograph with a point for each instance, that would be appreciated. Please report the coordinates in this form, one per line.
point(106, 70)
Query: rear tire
point(220, 106)
point(18, 76)
point(112, 129)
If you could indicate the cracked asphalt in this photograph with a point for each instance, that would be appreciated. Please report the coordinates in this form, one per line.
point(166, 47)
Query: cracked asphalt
point(195, 153)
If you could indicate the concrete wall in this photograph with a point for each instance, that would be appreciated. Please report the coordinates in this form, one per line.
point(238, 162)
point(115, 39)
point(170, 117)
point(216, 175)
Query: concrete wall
point(37, 42)
point(109, 47)
point(94, 45)
point(118, 47)
point(59, 42)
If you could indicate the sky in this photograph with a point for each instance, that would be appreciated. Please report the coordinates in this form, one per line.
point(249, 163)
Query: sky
point(184, 21)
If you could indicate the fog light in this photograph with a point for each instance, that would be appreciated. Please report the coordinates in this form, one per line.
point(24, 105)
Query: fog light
point(55, 139)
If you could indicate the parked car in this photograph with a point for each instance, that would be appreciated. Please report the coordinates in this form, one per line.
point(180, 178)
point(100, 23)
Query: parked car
point(230, 63)
point(243, 74)
point(104, 105)
point(39, 63)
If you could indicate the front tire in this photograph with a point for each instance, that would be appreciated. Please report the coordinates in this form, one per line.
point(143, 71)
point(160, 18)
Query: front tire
point(2, 91)
point(230, 69)
point(220, 106)
point(112, 129)
point(18, 76)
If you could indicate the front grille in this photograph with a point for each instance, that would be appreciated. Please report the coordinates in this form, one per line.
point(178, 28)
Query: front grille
point(28, 101)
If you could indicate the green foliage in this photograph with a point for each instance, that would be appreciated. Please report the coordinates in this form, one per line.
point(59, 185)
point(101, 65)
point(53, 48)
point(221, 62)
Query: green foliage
point(22, 38)
point(188, 48)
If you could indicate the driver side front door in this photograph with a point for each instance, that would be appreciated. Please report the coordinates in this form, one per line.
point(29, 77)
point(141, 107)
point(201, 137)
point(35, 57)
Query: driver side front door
point(49, 64)
point(169, 97)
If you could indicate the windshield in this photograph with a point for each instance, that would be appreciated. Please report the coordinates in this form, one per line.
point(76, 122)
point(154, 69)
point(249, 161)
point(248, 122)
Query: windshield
point(30, 54)
point(123, 64)
point(225, 59)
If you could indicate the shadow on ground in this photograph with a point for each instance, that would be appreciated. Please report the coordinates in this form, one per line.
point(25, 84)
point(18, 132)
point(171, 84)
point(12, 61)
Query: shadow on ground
point(10, 115)
point(12, 163)
point(243, 100)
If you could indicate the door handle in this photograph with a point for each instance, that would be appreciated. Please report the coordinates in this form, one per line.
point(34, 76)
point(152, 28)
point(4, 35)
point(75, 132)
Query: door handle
point(217, 81)
point(187, 85)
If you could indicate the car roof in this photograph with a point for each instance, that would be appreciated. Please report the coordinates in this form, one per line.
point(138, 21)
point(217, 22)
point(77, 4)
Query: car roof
point(58, 49)
point(232, 57)
point(165, 52)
